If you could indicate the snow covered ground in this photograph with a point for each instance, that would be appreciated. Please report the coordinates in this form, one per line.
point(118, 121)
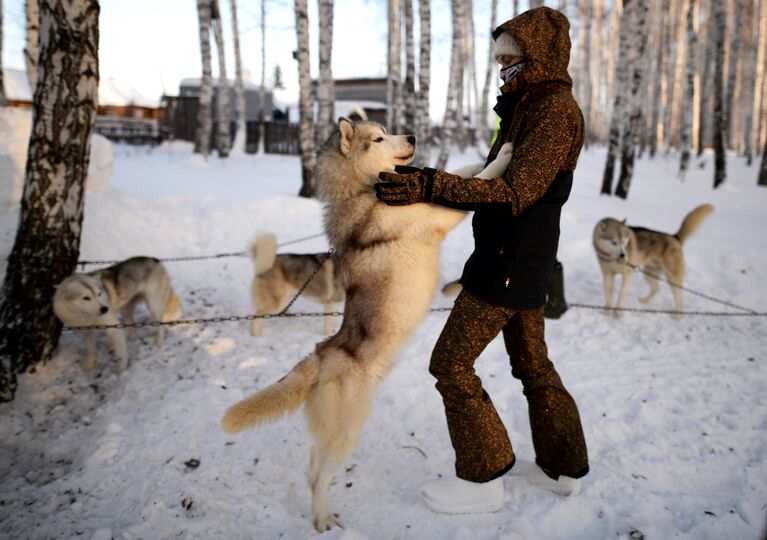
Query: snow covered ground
point(675, 412)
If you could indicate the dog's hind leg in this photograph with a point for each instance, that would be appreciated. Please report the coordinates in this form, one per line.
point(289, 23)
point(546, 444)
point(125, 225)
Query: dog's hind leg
point(156, 305)
point(651, 271)
point(127, 313)
point(336, 411)
point(675, 275)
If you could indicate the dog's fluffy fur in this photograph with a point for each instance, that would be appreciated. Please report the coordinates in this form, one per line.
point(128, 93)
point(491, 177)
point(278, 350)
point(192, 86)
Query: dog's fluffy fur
point(620, 248)
point(96, 298)
point(278, 277)
point(389, 259)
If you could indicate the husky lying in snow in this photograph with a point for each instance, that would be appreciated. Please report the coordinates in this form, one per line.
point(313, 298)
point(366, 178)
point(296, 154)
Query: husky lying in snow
point(389, 259)
point(278, 277)
point(620, 248)
point(95, 298)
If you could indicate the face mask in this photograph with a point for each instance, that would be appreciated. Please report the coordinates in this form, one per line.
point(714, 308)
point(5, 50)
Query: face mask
point(510, 72)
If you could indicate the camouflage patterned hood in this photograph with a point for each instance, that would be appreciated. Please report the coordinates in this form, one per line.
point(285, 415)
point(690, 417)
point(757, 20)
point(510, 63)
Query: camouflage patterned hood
point(543, 35)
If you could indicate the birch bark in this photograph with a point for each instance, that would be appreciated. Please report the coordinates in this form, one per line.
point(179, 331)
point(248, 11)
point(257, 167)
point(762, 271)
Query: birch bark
point(204, 116)
point(47, 243)
point(305, 102)
point(223, 136)
point(33, 37)
point(238, 148)
point(326, 95)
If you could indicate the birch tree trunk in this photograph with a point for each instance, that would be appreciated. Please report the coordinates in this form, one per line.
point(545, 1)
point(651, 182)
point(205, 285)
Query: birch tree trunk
point(32, 38)
point(305, 103)
point(408, 89)
point(238, 148)
point(656, 135)
point(452, 105)
point(47, 243)
point(732, 70)
point(675, 97)
point(261, 117)
point(394, 81)
point(535, 3)
point(762, 180)
point(586, 15)
point(634, 117)
point(719, 124)
point(223, 134)
point(759, 85)
point(3, 100)
point(689, 89)
point(204, 117)
point(619, 107)
point(472, 95)
point(752, 89)
point(423, 146)
point(326, 95)
point(484, 133)
point(707, 79)
point(516, 8)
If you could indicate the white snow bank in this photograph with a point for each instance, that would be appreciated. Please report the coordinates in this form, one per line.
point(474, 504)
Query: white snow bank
point(15, 128)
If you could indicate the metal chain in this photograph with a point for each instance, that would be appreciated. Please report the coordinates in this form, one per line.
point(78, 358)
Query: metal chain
point(235, 318)
point(750, 313)
point(693, 292)
point(206, 257)
point(306, 283)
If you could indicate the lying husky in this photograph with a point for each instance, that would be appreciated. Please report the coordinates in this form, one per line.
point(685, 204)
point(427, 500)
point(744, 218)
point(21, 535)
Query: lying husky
point(95, 298)
point(389, 258)
point(621, 248)
point(278, 277)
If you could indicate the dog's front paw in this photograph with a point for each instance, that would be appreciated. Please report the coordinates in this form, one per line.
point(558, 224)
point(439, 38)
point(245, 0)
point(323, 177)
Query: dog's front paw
point(325, 523)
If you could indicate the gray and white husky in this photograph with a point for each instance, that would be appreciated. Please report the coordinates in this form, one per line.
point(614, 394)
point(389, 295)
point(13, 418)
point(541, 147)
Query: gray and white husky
point(620, 248)
point(96, 298)
point(389, 259)
point(279, 276)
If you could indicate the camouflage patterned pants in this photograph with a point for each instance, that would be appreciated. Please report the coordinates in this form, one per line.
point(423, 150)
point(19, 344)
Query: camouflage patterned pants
point(482, 447)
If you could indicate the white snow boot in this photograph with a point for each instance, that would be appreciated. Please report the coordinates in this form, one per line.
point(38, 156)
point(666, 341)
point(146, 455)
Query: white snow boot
point(456, 496)
point(564, 485)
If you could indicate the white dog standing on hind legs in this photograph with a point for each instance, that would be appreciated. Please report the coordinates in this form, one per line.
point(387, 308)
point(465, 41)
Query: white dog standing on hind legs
point(622, 248)
point(95, 298)
point(389, 260)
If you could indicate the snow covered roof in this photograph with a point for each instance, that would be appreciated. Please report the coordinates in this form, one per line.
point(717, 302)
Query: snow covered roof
point(196, 82)
point(111, 91)
point(120, 93)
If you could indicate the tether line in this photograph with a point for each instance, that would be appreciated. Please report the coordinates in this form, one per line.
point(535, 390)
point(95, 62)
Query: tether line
point(206, 257)
point(250, 317)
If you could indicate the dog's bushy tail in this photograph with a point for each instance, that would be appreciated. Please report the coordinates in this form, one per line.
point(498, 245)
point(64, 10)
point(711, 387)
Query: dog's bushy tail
point(263, 251)
point(692, 221)
point(274, 401)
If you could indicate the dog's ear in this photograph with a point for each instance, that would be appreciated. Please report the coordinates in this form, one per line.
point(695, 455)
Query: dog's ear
point(624, 221)
point(347, 133)
point(602, 225)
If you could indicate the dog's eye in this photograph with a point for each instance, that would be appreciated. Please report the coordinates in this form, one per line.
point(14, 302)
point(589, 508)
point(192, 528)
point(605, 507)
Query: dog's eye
point(87, 298)
point(379, 139)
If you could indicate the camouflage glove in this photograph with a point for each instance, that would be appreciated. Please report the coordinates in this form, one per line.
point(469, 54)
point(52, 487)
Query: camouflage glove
point(406, 185)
